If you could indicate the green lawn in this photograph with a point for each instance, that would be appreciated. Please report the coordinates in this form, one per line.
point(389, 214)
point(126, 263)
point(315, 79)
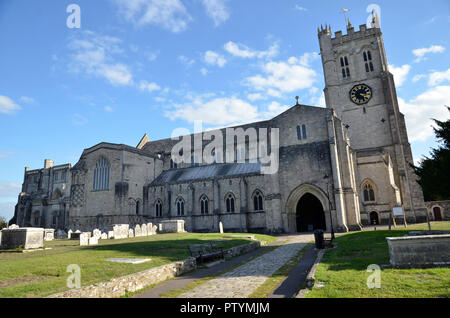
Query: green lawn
point(42, 273)
point(343, 270)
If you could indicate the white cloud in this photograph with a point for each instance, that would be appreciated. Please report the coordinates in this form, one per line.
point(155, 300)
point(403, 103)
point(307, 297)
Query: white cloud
point(318, 100)
point(254, 97)
point(418, 77)
point(243, 51)
point(109, 109)
point(273, 110)
point(204, 71)
point(9, 189)
point(420, 53)
point(214, 58)
point(79, 120)
point(27, 100)
point(93, 54)
point(300, 8)
point(218, 111)
point(151, 87)
point(167, 14)
point(420, 111)
point(400, 73)
point(7, 105)
point(188, 62)
point(437, 78)
point(217, 10)
point(284, 77)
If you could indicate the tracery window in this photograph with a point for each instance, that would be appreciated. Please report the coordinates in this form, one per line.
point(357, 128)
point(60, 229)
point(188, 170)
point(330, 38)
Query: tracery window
point(101, 175)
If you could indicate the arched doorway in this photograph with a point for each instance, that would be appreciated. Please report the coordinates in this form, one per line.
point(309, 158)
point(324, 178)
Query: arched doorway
point(437, 213)
point(374, 219)
point(310, 215)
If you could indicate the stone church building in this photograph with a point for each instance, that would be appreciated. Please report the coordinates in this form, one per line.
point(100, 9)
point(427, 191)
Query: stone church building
point(342, 166)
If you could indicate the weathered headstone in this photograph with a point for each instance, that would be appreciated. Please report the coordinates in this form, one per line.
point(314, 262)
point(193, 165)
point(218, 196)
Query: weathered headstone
point(93, 240)
point(49, 234)
point(96, 233)
point(151, 229)
point(27, 238)
point(130, 233)
point(121, 231)
point(104, 236)
point(110, 234)
point(84, 239)
point(221, 227)
point(144, 230)
point(172, 226)
point(13, 227)
point(137, 231)
point(69, 234)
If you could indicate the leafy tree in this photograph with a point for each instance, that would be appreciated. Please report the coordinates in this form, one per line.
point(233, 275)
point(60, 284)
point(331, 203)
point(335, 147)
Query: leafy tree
point(3, 223)
point(434, 172)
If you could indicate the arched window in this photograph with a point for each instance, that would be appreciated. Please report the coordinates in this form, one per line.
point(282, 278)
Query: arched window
point(229, 200)
point(258, 201)
point(369, 192)
point(158, 208)
point(138, 207)
point(345, 67)
point(101, 175)
point(180, 207)
point(367, 55)
point(204, 205)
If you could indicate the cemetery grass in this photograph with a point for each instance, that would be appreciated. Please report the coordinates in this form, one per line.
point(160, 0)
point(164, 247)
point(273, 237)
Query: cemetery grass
point(43, 273)
point(343, 270)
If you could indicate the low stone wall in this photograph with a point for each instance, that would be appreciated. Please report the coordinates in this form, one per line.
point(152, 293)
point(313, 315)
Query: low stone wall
point(419, 251)
point(26, 238)
point(118, 287)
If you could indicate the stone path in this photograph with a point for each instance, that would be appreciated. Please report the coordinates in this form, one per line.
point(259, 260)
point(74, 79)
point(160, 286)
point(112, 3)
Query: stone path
point(243, 280)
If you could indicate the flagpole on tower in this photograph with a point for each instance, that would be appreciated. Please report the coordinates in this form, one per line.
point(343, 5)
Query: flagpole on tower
point(345, 15)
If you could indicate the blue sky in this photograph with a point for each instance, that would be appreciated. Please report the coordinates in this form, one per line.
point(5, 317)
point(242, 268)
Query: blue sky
point(150, 66)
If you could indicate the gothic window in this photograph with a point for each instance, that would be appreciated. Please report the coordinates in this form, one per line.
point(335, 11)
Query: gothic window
point(158, 208)
point(180, 207)
point(369, 192)
point(299, 133)
point(304, 131)
point(367, 55)
point(204, 205)
point(55, 176)
point(138, 207)
point(345, 67)
point(258, 201)
point(229, 200)
point(101, 175)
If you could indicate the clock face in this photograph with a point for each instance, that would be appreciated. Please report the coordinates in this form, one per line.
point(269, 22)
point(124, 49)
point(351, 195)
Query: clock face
point(361, 94)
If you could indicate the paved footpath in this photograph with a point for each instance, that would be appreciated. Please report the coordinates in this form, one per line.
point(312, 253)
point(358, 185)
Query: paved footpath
point(245, 279)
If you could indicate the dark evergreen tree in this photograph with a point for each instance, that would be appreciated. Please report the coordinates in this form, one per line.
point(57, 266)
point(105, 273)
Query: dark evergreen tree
point(434, 171)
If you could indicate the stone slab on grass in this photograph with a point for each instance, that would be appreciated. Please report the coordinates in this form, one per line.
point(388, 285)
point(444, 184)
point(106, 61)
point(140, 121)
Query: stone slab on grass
point(129, 260)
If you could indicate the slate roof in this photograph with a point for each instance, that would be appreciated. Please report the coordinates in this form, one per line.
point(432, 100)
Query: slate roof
point(208, 172)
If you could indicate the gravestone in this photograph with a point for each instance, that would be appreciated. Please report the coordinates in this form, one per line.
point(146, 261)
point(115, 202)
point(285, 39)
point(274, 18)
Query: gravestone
point(151, 229)
point(121, 231)
point(104, 236)
point(130, 233)
point(137, 231)
point(13, 227)
point(96, 233)
point(84, 239)
point(144, 231)
point(110, 234)
point(93, 240)
point(221, 227)
point(27, 238)
point(172, 226)
point(49, 234)
point(69, 234)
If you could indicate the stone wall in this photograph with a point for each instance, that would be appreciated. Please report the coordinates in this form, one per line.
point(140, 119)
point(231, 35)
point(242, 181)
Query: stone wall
point(442, 206)
point(118, 287)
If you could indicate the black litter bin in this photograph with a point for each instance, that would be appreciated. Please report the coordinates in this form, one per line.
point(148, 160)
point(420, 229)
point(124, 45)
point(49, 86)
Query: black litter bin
point(318, 236)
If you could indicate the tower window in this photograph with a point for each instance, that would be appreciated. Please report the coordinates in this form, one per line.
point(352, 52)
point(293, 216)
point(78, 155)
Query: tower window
point(369, 192)
point(304, 131)
point(345, 67)
point(299, 133)
point(368, 61)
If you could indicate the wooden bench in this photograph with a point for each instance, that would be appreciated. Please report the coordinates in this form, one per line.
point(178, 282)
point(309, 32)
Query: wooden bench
point(205, 252)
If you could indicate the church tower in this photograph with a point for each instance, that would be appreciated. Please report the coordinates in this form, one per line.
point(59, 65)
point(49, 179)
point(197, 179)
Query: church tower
point(360, 88)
